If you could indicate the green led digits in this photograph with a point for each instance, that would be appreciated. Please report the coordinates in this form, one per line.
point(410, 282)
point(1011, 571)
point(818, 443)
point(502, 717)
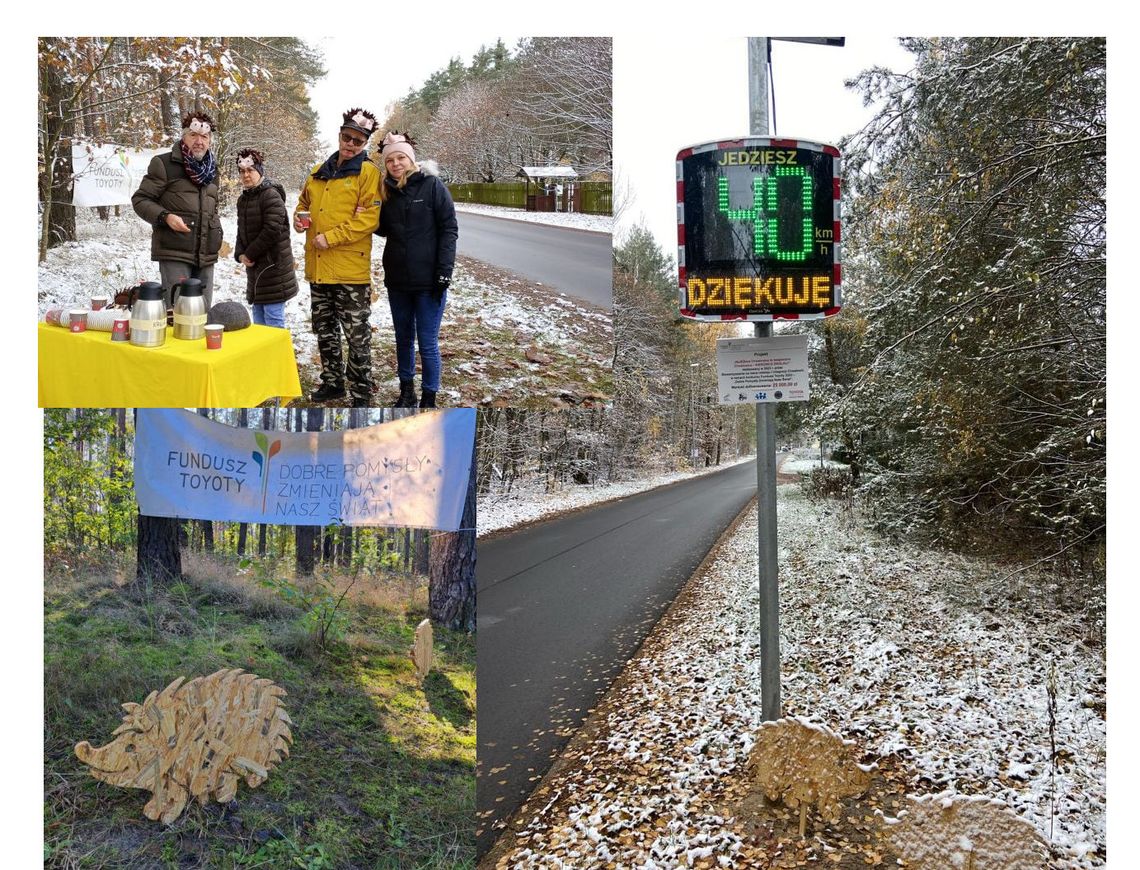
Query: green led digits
point(805, 201)
point(765, 199)
point(754, 214)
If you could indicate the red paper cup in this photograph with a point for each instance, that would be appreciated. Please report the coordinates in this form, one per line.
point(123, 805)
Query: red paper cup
point(304, 219)
point(98, 303)
point(214, 335)
point(77, 320)
point(121, 328)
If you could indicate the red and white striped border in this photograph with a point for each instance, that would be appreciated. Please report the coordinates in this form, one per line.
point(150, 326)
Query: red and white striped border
point(759, 142)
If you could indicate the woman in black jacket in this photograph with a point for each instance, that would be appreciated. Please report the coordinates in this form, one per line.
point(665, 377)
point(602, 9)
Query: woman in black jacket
point(417, 219)
point(263, 244)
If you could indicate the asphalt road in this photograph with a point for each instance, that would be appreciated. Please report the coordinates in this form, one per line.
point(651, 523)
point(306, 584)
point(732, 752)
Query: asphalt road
point(577, 262)
point(564, 605)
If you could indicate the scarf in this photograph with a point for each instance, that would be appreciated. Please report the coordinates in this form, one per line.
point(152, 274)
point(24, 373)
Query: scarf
point(200, 172)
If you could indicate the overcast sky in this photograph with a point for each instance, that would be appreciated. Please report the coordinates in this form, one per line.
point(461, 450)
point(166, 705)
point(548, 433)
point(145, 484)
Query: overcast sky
point(661, 106)
point(373, 79)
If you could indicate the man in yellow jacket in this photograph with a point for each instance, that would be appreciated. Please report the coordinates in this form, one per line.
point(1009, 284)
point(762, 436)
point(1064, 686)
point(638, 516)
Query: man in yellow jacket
point(338, 210)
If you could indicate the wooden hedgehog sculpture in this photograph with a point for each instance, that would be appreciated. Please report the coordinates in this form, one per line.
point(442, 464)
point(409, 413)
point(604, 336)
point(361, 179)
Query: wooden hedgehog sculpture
point(195, 740)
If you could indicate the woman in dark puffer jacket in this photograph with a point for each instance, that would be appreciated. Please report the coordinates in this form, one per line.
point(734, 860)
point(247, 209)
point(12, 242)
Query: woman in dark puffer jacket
point(417, 218)
point(263, 244)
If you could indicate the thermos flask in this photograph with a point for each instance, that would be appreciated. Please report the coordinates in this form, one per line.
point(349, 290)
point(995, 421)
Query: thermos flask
point(189, 310)
point(148, 316)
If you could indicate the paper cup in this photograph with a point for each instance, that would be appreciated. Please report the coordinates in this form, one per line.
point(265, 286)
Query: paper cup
point(98, 303)
point(214, 335)
point(304, 219)
point(121, 328)
point(77, 320)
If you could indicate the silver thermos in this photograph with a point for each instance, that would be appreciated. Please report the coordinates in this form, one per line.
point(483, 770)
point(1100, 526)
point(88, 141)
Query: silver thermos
point(148, 316)
point(189, 310)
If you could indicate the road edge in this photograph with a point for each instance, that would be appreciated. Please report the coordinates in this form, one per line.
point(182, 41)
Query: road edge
point(564, 512)
point(595, 720)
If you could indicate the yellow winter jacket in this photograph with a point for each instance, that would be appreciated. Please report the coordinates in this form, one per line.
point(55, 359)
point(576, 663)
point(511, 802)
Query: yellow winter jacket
point(344, 203)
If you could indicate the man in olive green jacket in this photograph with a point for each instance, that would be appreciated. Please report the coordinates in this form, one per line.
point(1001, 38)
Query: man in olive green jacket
point(178, 197)
point(341, 200)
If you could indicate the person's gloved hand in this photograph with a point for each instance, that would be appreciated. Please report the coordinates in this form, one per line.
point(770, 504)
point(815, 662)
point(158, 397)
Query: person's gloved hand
point(442, 283)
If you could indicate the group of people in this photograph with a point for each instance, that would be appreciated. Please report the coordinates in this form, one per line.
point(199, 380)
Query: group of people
point(345, 200)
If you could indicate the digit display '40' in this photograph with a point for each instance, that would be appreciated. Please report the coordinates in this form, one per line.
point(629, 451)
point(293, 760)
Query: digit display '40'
point(758, 229)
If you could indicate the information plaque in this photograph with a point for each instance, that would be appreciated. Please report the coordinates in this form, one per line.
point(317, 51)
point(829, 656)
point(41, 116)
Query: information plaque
point(762, 370)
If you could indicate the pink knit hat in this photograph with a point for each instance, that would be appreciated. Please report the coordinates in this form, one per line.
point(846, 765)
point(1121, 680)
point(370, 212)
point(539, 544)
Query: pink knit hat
point(396, 141)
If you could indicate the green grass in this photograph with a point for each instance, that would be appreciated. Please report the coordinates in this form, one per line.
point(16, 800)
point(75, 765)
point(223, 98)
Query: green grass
point(382, 770)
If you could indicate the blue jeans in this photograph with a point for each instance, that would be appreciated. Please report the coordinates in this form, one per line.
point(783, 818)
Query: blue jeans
point(416, 317)
point(272, 314)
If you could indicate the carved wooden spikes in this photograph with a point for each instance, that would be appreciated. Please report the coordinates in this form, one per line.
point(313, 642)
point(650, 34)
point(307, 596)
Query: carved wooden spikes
point(422, 649)
point(972, 833)
point(195, 740)
point(803, 764)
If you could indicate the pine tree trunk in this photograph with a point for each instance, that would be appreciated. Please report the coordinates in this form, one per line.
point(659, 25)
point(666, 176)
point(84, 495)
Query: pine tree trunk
point(451, 589)
point(308, 537)
point(243, 528)
point(421, 563)
point(159, 554)
point(58, 215)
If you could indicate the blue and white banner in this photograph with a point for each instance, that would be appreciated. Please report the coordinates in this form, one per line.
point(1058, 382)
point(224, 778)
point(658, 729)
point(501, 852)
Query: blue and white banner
point(409, 472)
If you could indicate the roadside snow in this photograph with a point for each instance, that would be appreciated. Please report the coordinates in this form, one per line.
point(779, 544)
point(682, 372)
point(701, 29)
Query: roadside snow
point(594, 223)
point(934, 657)
point(528, 501)
point(807, 466)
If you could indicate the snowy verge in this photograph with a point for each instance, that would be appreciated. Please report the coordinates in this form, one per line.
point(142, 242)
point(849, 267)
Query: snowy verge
point(932, 659)
point(594, 223)
point(526, 503)
point(807, 466)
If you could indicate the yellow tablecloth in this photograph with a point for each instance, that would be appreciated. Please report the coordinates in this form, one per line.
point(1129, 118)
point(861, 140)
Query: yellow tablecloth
point(87, 369)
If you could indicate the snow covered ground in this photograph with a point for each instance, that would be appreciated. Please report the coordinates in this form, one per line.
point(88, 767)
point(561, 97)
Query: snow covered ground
point(795, 465)
point(527, 502)
point(935, 664)
point(592, 222)
point(502, 340)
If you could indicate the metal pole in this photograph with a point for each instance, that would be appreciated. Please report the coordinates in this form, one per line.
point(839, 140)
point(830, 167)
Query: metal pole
point(765, 444)
point(758, 85)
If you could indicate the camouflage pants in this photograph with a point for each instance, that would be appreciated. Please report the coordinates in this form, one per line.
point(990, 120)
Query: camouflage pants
point(346, 307)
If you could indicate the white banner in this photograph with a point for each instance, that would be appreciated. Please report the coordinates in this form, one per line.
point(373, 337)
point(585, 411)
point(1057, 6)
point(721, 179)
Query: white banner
point(107, 174)
point(409, 472)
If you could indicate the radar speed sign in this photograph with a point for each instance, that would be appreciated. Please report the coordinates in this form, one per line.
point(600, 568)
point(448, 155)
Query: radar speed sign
point(758, 230)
